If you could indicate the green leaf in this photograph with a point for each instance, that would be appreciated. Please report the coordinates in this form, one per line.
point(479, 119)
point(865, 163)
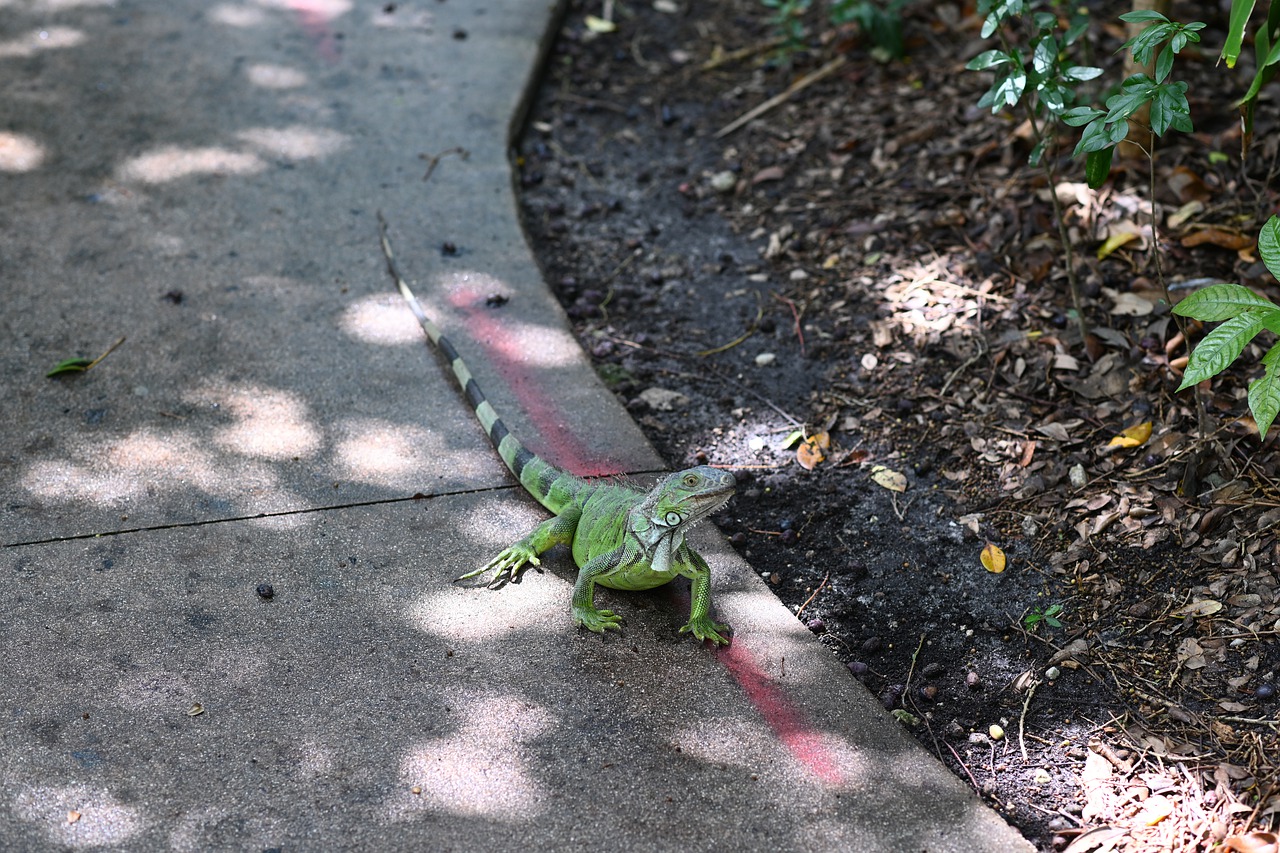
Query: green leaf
point(1219, 348)
point(71, 365)
point(1142, 16)
point(1097, 166)
point(1037, 153)
point(1164, 62)
point(1266, 71)
point(1094, 138)
point(1240, 12)
point(1269, 245)
point(1077, 116)
point(1221, 302)
point(1045, 55)
point(988, 59)
point(1264, 392)
point(1080, 73)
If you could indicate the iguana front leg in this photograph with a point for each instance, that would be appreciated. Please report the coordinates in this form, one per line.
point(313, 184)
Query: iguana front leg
point(584, 592)
point(691, 564)
point(513, 561)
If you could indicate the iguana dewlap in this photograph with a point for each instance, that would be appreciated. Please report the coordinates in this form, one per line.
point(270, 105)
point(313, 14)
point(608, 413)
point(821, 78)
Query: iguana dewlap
point(620, 537)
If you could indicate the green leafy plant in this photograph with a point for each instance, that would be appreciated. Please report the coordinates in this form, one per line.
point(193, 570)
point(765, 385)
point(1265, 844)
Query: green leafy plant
point(1243, 314)
point(1032, 69)
point(1048, 616)
point(1167, 99)
point(788, 21)
point(1266, 43)
point(879, 22)
point(882, 24)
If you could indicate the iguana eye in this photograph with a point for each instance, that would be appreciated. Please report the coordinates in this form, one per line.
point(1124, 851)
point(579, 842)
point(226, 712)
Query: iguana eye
point(672, 519)
point(690, 480)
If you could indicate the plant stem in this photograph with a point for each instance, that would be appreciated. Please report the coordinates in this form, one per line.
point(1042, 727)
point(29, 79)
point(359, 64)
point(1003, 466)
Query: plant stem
point(1064, 238)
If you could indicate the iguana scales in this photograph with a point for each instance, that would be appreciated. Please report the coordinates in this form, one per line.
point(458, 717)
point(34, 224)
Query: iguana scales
point(620, 537)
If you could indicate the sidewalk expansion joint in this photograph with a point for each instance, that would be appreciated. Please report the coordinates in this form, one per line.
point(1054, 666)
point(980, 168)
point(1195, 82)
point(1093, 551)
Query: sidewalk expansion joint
point(179, 525)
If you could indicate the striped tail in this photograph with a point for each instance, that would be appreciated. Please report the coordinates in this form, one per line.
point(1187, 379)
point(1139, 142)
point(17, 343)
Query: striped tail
point(552, 487)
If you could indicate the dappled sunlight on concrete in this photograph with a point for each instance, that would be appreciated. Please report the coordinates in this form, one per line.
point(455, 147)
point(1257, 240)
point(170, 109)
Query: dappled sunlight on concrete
point(172, 162)
point(268, 423)
point(239, 16)
point(391, 455)
point(59, 5)
point(134, 466)
point(270, 76)
point(483, 769)
point(471, 613)
point(50, 38)
point(78, 815)
point(383, 319)
point(19, 153)
point(294, 143)
point(781, 648)
point(202, 830)
point(325, 10)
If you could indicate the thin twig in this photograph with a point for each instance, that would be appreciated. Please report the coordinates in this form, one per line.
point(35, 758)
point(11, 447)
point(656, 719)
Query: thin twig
point(815, 594)
point(803, 83)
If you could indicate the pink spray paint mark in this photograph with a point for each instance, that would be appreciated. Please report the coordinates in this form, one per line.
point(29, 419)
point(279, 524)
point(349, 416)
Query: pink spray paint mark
point(786, 720)
point(313, 18)
point(506, 355)
point(804, 744)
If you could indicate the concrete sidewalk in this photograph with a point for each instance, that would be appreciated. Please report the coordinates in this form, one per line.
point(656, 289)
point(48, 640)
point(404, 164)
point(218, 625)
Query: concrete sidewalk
point(203, 179)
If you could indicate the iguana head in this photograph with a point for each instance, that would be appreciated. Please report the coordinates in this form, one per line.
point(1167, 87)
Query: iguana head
point(674, 506)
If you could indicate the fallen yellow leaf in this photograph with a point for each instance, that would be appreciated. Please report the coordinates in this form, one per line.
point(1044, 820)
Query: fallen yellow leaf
point(1115, 241)
point(813, 450)
point(1134, 436)
point(888, 478)
point(993, 559)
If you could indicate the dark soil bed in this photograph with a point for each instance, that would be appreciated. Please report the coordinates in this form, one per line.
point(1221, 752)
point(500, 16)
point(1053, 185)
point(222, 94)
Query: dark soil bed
point(863, 289)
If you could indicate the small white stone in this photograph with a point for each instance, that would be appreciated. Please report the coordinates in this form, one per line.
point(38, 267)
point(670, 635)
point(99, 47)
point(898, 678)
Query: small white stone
point(1077, 477)
point(662, 399)
point(723, 182)
point(765, 359)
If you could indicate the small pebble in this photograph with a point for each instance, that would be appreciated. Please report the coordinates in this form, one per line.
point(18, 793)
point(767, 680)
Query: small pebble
point(817, 626)
point(765, 359)
point(1265, 691)
point(265, 591)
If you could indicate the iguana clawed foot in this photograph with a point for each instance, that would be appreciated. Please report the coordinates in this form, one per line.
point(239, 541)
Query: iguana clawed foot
point(596, 620)
point(704, 628)
point(507, 566)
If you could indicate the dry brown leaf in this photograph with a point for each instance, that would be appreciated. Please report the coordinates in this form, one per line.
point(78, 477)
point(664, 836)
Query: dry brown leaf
point(1252, 842)
point(768, 173)
point(1188, 186)
point(1225, 239)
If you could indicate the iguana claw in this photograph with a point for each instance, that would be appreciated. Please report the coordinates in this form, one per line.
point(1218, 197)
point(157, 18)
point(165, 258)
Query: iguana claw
point(597, 620)
point(704, 628)
point(512, 562)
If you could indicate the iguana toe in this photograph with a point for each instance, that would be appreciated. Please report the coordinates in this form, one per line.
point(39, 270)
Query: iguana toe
point(705, 629)
point(597, 620)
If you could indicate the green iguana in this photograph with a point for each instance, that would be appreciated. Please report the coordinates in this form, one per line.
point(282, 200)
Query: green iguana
point(620, 537)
